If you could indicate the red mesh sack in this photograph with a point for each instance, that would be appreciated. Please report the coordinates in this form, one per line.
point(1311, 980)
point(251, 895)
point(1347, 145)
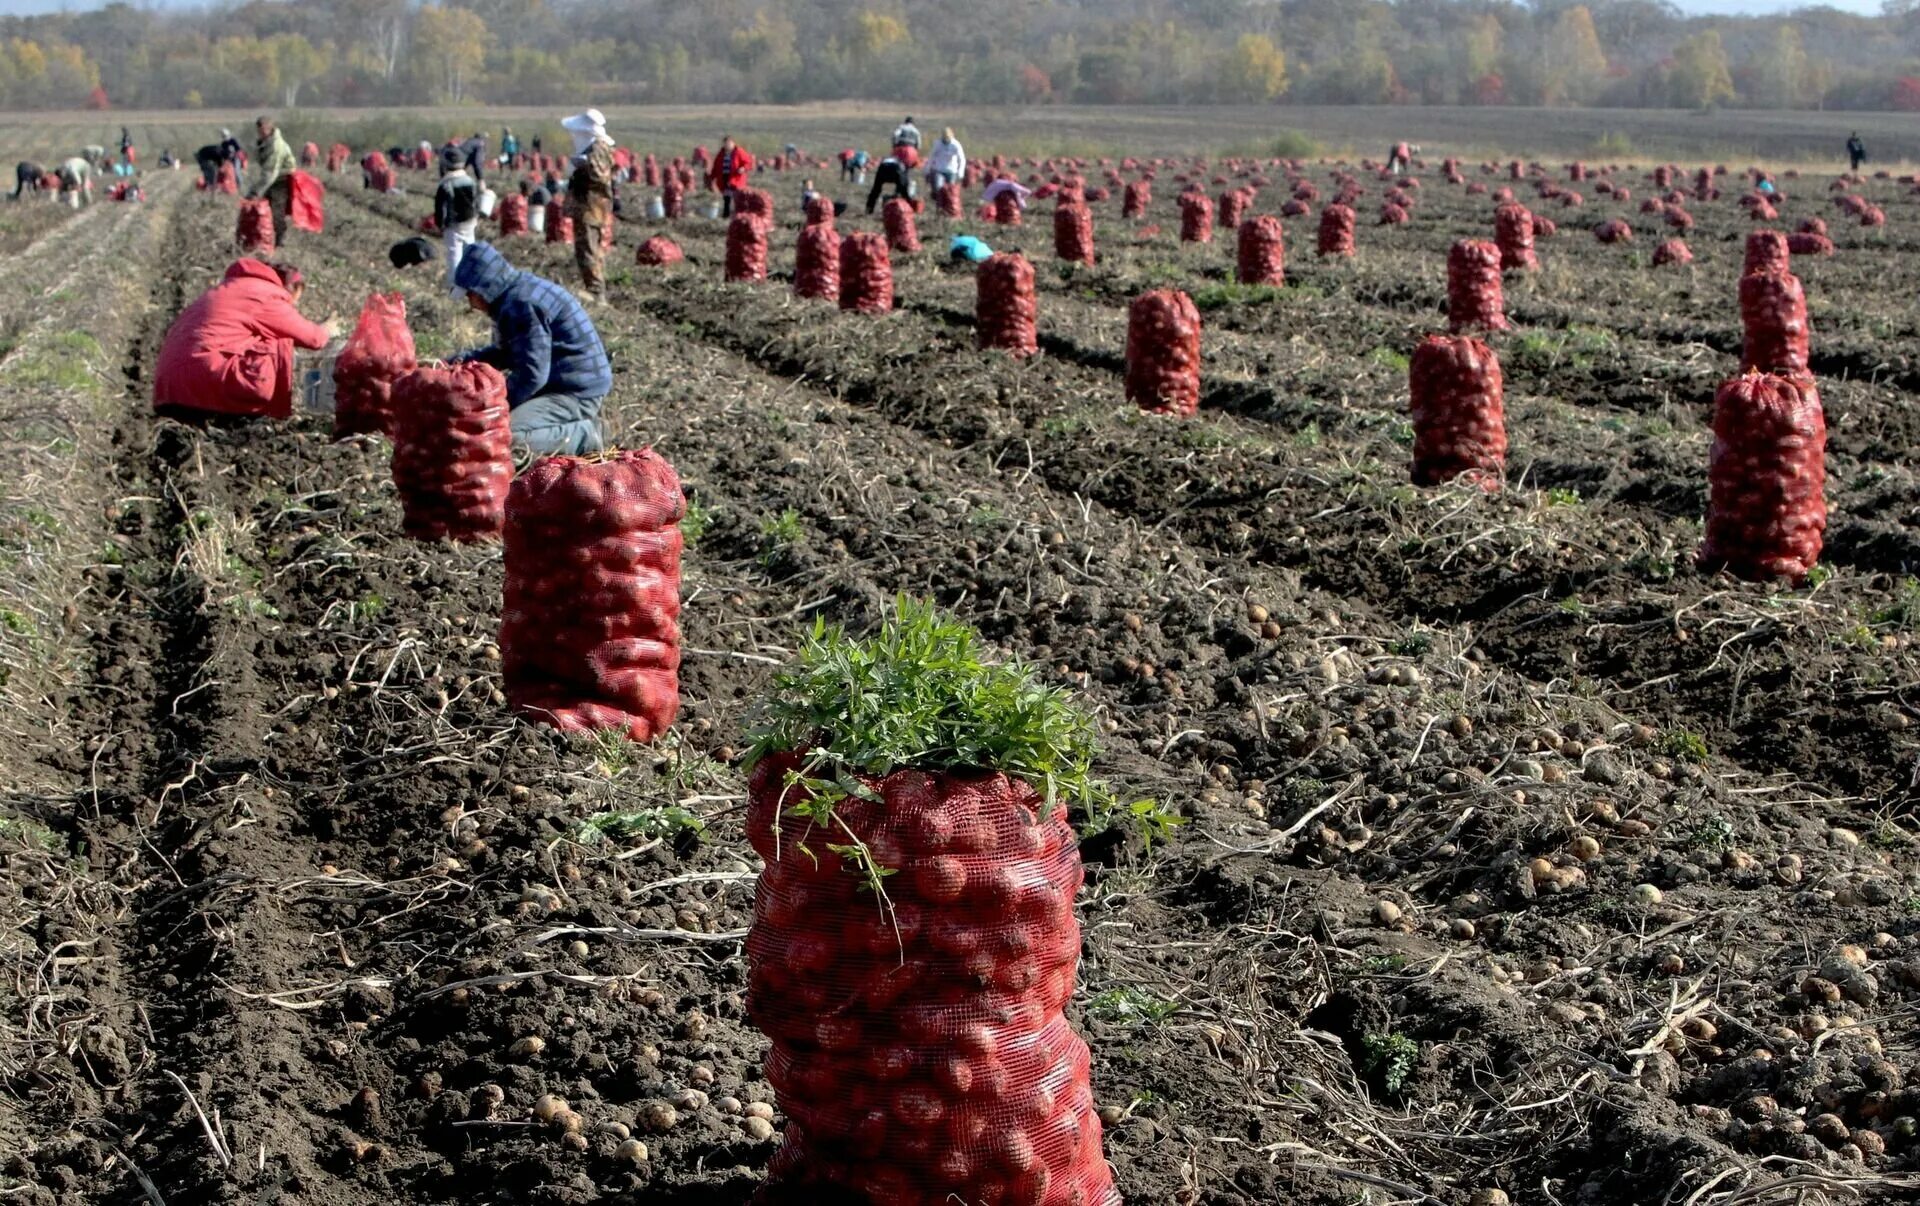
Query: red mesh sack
point(1767, 251)
point(1613, 230)
point(746, 249)
point(1773, 309)
point(1459, 419)
point(897, 217)
point(1678, 218)
point(559, 223)
point(658, 251)
point(1295, 209)
point(1544, 228)
point(452, 451)
point(1873, 215)
point(1073, 234)
point(1231, 209)
point(1513, 234)
point(378, 353)
point(306, 203)
point(1336, 231)
point(866, 274)
point(1673, 251)
point(1813, 226)
point(310, 155)
point(1392, 215)
point(1475, 300)
point(1809, 243)
point(338, 155)
point(1163, 353)
point(650, 171)
point(253, 229)
point(1135, 200)
point(226, 180)
point(673, 199)
point(1766, 506)
point(1261, 256)
point(1006, 209)
point(589, 628)
point(1663, 177)
point(512, 213)
point(754, 203)
point(1196, 218)
point(1004, 308)
point(816, 263)
point(922, 1055)
point(819, 212)
point(946, 199)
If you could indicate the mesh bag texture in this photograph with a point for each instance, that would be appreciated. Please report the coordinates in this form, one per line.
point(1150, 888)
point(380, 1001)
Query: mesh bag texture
point(820, 212)
point(1006, 210)
point(1813, 226)
point(746, 249)
point(1613, 230)
point(306, 204)
point(378, 353)
point(1073, 233)
point(816, 263)
point(1673, 251)
point(512, 213)
point(559, 223)
point(1513, 234)
point(589, 629)
point(1336, 230)
point(452, 451)
point(1163, 353)
point(1773, 308)
point(1005, 311)
point(1135, 200)
point(1475, 300)
point(1296, 208)
point(673, 199)
point(1261, 257)
point(1809, 243)
point(1544, 228)
point(946, 199)
point(903, 235)
point(754, 203)
point(1767, 473)
point(1231, 209)
point(922, 1056)
point(1392, 215)
point(338, 155)
point(1458, 412)
point(650, 171)
point(226, 180)
point(866, 274)
point(1767, 251)
point(253, 229)
point(658, 251)
point(1677, 218)
point(1196, 218)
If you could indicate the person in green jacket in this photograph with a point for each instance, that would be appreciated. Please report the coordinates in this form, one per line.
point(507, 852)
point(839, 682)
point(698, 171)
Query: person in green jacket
point(277, 166)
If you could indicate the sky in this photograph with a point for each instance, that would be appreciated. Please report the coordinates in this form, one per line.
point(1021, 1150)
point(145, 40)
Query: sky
point(17, 8)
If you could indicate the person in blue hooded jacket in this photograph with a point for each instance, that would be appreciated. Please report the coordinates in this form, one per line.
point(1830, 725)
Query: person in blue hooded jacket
point(557, 370)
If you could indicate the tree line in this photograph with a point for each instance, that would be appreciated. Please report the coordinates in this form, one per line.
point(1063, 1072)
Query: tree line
point(1609, 53)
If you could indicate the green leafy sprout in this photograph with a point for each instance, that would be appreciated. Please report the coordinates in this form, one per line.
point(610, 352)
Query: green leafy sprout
point(1391, 1057)
point(672, 820)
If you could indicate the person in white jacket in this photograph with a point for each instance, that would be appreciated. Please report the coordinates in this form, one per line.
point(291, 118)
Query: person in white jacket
point(947, 163)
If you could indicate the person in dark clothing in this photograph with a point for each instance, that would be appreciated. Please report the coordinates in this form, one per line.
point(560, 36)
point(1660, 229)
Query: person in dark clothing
point(476, 152)
point(26, 179)
point(1856, 151)
point(539, 195)
point(209, 160)
point(557, 370)
point(536, 144)
point(891, 171)
point(230, 148)
point(409, 252)
point(456, 209)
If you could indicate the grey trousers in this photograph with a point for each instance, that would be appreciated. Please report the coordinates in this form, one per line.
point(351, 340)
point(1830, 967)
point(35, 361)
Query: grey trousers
point(558, 425)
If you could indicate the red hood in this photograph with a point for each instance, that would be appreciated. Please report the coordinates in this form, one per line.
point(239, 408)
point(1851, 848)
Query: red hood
point(256, 269)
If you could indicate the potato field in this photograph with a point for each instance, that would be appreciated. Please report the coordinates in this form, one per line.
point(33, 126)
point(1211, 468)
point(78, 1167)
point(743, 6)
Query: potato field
point(1489, 849)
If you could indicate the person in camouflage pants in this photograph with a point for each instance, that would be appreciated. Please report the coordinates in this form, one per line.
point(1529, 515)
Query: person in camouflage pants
point(590, 196)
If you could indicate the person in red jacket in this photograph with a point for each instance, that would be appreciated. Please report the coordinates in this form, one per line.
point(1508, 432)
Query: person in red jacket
point(231, 351)
point(732, 171)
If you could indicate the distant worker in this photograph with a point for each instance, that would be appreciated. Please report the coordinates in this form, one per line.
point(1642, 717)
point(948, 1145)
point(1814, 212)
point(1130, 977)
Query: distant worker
point(456, 209)
point(509, 146)
point(590, 196)
point(846, 165)
point(231, 351)
point(558, 375)
point(476, 150)
point(275, 181)
point(1856, 151)
point(1004, 185)
point(1399, 159)
point(167, 160)
point(731, 171)
point(26, 179)
point(906, 143)
point(947, 164)
point(210, 157)
point(410, 252)
point(892, 171)
point(76, 182)
point(128, 155)
point(230, 149)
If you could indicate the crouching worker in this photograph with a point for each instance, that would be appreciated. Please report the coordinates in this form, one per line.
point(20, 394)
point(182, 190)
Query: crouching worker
point(556, 367)
point(231, 351)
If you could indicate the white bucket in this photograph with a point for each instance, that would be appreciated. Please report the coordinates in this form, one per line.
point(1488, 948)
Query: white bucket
point(656, 208)
point(537, 219)
point(488, 199)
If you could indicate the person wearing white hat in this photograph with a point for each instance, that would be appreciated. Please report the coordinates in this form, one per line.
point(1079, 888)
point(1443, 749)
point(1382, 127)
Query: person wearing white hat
point(590, 195)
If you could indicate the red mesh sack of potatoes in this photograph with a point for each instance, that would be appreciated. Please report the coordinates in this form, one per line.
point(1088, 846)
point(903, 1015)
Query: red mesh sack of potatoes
point(226, 180)
point(946, 199)
point(1261, 254)
point(897, 218)
point(606, 232)
point(1613, 230)
point(1163, 353)
point(1773, 309)
point(650, 171)
point(658, 251)
point(1678, 218)
point(1813, 226)
point(746, 249)
point(1673, 251)
point(452, 451)
point(921, 1053)
point(512, 213)
point(866, 274)
point(1006, 209)
point(819, 212)
point(1073, 234)
point(1336, 231)
point(1513, 234)
point(253, 229)
point(1004, 309)
point(1135, 200)
point(1475, 300)
point(378, 353)
point(559, 223)
point(1458, 412)
point(1809, 243)
point(673, 199)
point(1196, 218)
point(1544, 228)
point(1231, 209)
point(589, 627)
point(1766, 503)
point(1767, 251)
point(816, 263)
point(337, 156)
